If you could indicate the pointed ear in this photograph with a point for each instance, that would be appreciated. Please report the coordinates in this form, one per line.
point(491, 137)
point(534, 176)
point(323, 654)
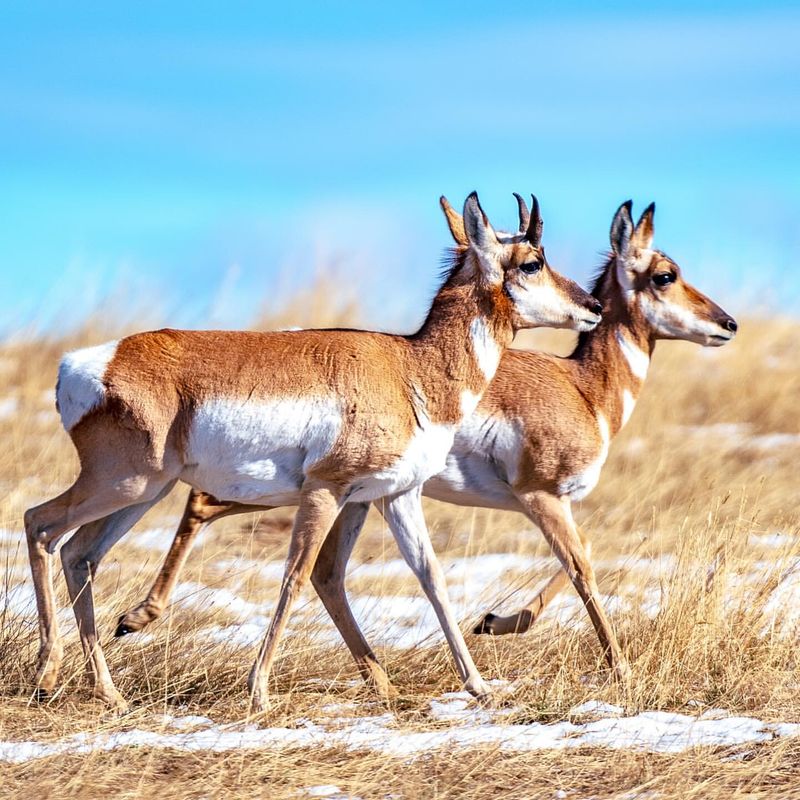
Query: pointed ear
point(479, 231)
point(622, 229)
point(643, 235)
point(455, 222)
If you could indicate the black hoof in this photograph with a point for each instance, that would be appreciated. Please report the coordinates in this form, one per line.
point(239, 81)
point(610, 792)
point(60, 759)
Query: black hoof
point(41, 695)
point(486, 625)
point(122, 628)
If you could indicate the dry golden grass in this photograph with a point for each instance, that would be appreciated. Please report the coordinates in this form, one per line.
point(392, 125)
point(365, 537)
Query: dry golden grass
point(705, 497)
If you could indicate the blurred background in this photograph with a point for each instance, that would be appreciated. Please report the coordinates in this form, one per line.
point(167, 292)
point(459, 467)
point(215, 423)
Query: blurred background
point(203, 161)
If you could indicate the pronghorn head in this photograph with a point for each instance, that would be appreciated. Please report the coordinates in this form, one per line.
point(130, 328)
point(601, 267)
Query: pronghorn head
point(651, 280)
point(515, 264)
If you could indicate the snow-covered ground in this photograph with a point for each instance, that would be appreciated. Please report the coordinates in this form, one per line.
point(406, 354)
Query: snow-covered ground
point(390, 606)
point(590, 725)
point(394, 612)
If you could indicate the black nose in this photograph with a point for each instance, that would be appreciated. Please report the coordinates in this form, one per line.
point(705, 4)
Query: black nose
point(596, 307)
point(729, 323)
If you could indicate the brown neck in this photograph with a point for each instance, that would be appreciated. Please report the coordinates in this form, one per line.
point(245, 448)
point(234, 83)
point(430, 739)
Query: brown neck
point(467, 328)
point(612, 360)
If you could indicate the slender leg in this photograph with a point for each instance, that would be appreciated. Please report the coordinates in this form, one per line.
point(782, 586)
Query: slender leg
point(523, 620)
point(553, 515)
point(201, 509)
point(89, 498)
point(328, 579)
point(319, 505)
point(51, 650)
point(80, 557)
point(403, 513)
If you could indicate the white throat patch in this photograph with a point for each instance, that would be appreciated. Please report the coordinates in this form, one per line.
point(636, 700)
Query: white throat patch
point(484, 346)
point(637, 359)
point(628, 403)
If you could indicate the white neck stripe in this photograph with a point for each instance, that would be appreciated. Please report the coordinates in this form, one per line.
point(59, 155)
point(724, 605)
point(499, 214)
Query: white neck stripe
point(637, 359)
point(484, 347)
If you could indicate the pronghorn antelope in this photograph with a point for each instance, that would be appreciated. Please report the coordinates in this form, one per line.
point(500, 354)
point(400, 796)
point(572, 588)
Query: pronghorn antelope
point(326, 420)
point(539, 436)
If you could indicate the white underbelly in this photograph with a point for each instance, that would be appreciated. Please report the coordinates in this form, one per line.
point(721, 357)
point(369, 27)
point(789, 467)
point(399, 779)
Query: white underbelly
point(470, 479)
point(481, 466)
point(259, 452)
point(425, 455)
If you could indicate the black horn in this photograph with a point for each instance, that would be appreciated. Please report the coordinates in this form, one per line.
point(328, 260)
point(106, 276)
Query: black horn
point(524, 214)
point(535, 224)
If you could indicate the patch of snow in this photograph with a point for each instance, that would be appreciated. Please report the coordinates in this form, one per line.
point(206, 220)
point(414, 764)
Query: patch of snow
point(773, 441)
point(596, 708)
point(461, 708)
point(782, 609)
point(8, 407)
point(9, 537)
point(158, 538)
point(739, 434)
point(482, 570)
point(715, 713)
point(326, 790)
point(731, 432)
point(776, 540)
point(19, 599)
point(635, 446)
point(181, 723)
point(243, 634)
point(204, 598)
point(653, 731)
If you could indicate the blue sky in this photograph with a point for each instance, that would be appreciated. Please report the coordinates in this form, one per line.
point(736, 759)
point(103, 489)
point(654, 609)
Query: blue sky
point(204, 157)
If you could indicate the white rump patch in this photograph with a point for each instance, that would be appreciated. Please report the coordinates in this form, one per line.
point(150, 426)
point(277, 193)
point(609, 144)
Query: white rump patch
point(80, 385)
point(259, 451)
point(484, 346)
point(637, 359)
point(580, 485)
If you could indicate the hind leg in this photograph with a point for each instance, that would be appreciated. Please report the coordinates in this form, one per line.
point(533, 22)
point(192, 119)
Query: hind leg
point(80, 557)
point(51, 650)
point(201, 509)
point(86, 501)
point(328, 579)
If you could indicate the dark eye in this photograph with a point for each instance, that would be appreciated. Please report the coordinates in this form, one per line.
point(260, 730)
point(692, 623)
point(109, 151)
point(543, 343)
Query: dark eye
point(664, 278)
point(531, 267)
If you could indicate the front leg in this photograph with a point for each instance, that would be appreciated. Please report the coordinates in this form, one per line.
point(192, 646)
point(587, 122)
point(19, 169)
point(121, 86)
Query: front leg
point(319, 504)
point(524, 619)
point(403, 513)
point(553, 515)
